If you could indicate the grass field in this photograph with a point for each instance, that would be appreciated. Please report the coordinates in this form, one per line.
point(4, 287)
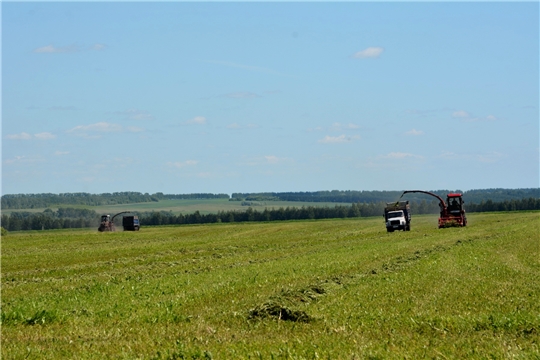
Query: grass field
point(337, 289)
point(186, 206)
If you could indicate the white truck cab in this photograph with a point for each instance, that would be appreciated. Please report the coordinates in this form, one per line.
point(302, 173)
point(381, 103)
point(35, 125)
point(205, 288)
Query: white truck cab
point(397, 216)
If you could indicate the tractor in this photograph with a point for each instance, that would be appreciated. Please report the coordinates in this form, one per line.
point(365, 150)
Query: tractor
point(452, 211)
point(107, 223)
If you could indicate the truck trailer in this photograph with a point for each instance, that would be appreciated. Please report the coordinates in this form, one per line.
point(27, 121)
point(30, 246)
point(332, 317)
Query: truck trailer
point(397, 216)
point(131, 223)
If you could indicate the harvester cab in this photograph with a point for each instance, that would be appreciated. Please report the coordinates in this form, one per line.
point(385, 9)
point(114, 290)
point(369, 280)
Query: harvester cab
point(106, 223)
point(455, 203)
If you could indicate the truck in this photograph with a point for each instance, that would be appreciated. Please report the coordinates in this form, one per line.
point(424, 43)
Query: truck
point(397, 216)
point(131, 223)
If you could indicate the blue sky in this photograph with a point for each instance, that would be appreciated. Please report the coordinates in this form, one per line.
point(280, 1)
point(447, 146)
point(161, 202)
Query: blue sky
point(248, 97)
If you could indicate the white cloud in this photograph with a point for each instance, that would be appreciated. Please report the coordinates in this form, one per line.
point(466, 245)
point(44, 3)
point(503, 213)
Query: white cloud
point(50, 49)
point(461, 114)
point(98, 47)
point(414, 132)
point(21, 136)
point(45, 136)
point(272, 159)
point(197, 120)
point(337, 139)
point(181, 164)
point(370, 52)
point(60, 153)
point(102, 127)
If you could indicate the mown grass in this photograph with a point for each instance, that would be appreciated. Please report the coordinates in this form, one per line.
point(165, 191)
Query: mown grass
point(339, 289)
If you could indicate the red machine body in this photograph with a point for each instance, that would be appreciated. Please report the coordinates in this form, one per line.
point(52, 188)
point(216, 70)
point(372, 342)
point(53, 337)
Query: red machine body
point(452, 211)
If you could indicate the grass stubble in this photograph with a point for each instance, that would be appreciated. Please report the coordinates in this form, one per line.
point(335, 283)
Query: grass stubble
point(339, 289)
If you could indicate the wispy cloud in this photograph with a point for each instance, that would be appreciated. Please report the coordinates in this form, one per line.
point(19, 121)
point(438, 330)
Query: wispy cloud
point(272, 159)
point(462, 114)
point(370, 52)
point(50, 49)
point(468, 117)
point(98, 47)
point(21, 136)
point(414, 132)
point(340, 127)
point(337, 139)
point(61, 153)
point(488, 157)
point(136, 114)
point(245, 67)
point(236, 126)
point(481, 119)
point(400, 156)
point(26, 136)
point(267, 160)
point(182, 164)
point(197, 120)
point(62, 108)
point(100, 128)
point(336, 127)
point(242, 95)
point(23, 160)
point(45, 136)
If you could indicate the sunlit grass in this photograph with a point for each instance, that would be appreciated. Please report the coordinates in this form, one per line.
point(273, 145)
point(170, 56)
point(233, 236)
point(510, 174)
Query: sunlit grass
point(231, 290)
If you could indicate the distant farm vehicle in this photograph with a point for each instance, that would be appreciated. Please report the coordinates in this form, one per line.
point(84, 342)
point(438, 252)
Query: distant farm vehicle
point(128, 222)
point(131, 223)
point(452, 211)
point(397, 216)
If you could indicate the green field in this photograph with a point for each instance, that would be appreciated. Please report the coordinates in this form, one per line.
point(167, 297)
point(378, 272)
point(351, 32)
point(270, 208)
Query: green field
point(337, 289)
point(186, 206)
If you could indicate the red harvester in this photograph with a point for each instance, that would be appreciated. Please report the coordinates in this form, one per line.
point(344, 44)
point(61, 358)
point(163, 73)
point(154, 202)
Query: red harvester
point(452, 212)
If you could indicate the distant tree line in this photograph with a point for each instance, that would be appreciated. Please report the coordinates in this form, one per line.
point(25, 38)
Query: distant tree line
point(63, 218)
point(83, 218)
point(36, 201)
point(350, 196)
point(41, 201)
